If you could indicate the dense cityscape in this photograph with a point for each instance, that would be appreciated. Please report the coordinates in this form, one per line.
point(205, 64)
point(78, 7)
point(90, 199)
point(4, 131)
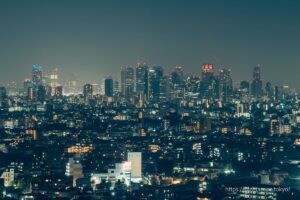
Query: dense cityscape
point(149, 134)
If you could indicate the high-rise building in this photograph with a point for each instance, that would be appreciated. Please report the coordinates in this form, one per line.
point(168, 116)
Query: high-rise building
point(127, 82)
point(41, 93)
point(26, 84)
point(155, 77)
point(256, 85)
point(141, 78)
point(54, 78)
point(245, 87)
point(88, 91)
point(166, 88)
point(58, 91)
point(225, 84)
point(37, 76)
point(177, 75)
point(31, 94)
point(116, 87)
point(208, 85)
point(108, 87)
point(72, 87)
point(136, 165)
point(278, 93)
point(2, 95)
point(193, 85)
point(269, 90)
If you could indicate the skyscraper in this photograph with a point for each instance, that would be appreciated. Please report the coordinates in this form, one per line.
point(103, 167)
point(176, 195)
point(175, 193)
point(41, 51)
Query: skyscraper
point(26, 84)
point(208, 85)
point(166, 88)
point(2, 92)
point(37, 76)
point(155, 76)
point(31, 94)
point(141, 78)
point(269, 90)
point(256, 85)
point(108, 86)
point(245, 87)
point(72, 86)
point(3, 95)
point(127, 82)
point(54, 78)
point(58, 91)
point(41, 93)
point(88, 91)
point(177, 75)
point(116, 87)
point(225, 84)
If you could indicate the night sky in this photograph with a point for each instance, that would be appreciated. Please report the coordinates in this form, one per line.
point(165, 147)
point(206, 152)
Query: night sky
point(92, 39)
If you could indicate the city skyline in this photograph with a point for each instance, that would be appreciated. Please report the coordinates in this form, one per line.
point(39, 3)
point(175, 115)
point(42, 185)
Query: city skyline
point(149, 100)
point(139, 75)
point(95, 39)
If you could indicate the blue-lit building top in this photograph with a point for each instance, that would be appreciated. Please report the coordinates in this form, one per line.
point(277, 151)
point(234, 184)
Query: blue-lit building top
point(37, 75)
point(36, 68)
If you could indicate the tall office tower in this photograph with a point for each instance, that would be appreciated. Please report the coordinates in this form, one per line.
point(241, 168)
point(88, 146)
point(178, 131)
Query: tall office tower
point(269, 90)
point(177, 75)
point(97, 89)
point(53, 80)
point(31, 93)
point(136, 165)
point(58, 91)
point(26, 84)
point(116, 87)
point(88, 91)
point(193, 85)
point(108, 86)
point(72, 85)
point(155, 76)
point(127, 82)
point(41, 93)
point(225, 84)
point(141, 78)
point(256, 85)
point(245, 87)
point(278, 93)
point(208, 85)
point(166, 88)
point(37, 76)
point(2, 95)
point(49, 91)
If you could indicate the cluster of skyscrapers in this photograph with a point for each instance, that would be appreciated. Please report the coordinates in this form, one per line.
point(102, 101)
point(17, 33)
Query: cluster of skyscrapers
point(149, 134)
point(153, 84)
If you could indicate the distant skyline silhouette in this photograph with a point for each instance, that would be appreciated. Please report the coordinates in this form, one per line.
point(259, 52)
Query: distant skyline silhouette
point(93, 39)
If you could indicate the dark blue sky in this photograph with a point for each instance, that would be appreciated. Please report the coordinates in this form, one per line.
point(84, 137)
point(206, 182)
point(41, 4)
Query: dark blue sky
point(95, 38)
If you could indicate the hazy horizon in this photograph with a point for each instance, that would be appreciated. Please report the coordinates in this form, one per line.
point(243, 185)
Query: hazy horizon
point(92, 39)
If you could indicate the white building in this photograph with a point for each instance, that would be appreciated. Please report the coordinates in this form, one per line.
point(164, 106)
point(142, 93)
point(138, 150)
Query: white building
point(136, 165)
point(74, 169)
point(8, 175)
point(126, 172)
point(121, 172)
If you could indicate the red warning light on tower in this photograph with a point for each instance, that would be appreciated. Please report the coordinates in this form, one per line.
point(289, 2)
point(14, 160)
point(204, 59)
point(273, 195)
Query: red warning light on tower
point(207, 68)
